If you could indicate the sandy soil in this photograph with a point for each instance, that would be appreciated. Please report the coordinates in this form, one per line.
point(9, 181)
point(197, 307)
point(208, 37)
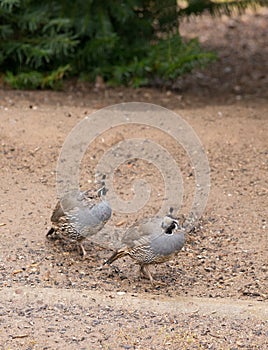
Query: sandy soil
point(216, 290)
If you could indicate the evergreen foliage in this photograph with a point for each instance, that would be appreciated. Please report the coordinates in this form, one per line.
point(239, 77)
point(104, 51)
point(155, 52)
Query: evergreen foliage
point(129, 42)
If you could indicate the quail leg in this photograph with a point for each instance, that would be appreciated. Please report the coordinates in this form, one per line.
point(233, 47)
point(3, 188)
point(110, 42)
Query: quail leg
point(146, 272)
point(82, 251)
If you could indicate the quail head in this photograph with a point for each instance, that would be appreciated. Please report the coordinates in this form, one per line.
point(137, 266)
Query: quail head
point(151, 241)
point(79, 215)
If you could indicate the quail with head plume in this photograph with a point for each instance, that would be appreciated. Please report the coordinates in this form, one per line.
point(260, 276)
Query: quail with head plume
point(152, 241)
point(79, 215)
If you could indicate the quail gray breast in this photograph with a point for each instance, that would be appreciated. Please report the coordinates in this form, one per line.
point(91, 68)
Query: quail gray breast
point(152, 241)
point(79, 215)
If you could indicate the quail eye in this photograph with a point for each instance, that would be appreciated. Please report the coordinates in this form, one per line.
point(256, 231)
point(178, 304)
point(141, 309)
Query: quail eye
point(176, 226)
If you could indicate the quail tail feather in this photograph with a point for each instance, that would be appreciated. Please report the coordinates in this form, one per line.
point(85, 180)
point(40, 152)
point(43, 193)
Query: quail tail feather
point(50, 232)
point(117, 255)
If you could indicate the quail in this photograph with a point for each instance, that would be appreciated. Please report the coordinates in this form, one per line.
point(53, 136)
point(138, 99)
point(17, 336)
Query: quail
point(79, 215)
point(152, 241)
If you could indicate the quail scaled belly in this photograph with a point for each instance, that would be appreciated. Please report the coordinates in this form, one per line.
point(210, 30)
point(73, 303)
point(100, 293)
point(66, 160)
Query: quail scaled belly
point(152, 241)
point(79, 215)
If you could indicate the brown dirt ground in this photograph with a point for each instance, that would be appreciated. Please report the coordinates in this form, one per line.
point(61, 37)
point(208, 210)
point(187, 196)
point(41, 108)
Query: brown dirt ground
point(51, 299)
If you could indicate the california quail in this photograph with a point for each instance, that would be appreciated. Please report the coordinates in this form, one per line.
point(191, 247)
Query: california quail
point(79, 215)
point(152, 241)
